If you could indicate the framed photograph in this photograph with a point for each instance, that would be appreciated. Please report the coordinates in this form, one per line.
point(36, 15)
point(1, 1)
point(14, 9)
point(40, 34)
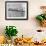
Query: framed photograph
point(16, 10)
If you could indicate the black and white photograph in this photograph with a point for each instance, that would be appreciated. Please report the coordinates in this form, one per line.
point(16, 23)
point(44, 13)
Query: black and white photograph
point(16, 10)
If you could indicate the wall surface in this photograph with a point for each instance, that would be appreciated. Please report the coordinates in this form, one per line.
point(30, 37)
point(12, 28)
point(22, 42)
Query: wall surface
point(25, 27)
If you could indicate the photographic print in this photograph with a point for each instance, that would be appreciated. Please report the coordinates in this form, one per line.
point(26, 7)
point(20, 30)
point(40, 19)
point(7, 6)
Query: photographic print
point(16, 10)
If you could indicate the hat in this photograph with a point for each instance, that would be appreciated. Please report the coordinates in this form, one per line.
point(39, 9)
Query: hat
point(42, 7)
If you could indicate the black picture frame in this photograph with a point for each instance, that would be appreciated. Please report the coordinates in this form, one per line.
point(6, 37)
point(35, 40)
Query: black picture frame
point(6, 12)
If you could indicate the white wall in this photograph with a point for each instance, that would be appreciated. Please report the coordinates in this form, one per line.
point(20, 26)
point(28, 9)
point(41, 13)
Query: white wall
point(25, 27)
